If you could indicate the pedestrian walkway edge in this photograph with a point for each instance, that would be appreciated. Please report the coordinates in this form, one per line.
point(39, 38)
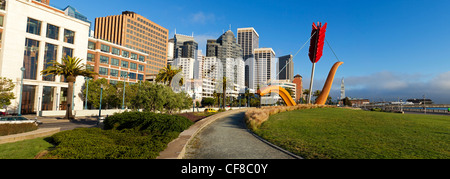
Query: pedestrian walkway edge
point(177, 148)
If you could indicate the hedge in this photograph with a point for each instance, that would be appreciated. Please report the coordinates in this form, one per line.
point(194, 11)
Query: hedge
point(9, 129)
point(130, 135)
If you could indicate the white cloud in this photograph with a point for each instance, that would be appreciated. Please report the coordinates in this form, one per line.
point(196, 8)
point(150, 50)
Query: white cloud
point(202, 18)
point(392, 86)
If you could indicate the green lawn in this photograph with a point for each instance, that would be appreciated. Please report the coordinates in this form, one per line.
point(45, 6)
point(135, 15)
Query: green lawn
point(334, 133)
point(26, 149)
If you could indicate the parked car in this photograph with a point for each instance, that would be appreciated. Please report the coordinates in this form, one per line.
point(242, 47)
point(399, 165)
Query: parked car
point(210, 110)
point(18, 119)
point(3, 112)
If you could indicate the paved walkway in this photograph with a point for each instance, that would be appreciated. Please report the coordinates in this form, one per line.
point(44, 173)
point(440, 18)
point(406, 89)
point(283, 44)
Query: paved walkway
point(228, 138)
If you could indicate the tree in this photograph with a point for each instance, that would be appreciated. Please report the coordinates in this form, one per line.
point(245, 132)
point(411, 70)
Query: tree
point(207, 102)
point(6, 86)
point(306, 94)
point(70, 68)
point(347, 102)
point(166, 75)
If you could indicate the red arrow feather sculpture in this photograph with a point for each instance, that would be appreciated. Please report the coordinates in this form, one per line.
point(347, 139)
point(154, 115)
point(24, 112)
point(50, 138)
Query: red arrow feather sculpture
point(316, 50)
point(317, 42)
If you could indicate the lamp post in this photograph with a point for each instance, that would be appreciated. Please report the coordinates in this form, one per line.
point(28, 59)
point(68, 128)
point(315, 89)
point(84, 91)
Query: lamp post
point(73, 96)
point(87, 92)
point(123, 99)
point(21, 91)
point(101, 96)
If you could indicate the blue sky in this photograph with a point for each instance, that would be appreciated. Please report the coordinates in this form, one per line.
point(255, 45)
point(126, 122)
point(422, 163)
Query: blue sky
point(391, 48)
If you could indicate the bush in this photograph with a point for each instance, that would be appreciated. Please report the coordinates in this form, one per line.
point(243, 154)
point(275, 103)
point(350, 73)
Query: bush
point(9, 129)
point(148, 122)
point(130, 135)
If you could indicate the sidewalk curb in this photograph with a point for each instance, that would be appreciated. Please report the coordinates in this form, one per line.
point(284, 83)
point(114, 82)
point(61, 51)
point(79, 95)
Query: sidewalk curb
point(29, 135)
point(177, 148)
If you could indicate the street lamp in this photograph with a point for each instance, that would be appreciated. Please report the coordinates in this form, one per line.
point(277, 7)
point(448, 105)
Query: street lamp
point(101, 96)
point(123, 99)
point(87, 92)
point(21, 91)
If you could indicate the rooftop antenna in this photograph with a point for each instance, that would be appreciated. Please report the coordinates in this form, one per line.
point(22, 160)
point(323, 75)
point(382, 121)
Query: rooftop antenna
point(175, 30)
point(230, 26)
point(192, 34)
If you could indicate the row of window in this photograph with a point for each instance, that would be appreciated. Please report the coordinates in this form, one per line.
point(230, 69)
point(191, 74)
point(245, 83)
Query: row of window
point(115, 73)
point(115, 62)
point(116, 51)
point(31, 54)
point(34, 27)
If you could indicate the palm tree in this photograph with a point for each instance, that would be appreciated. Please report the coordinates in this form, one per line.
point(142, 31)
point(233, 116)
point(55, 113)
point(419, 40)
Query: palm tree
point(166, 75)
point(70, 68)
point(306, 94)
point(224, 86)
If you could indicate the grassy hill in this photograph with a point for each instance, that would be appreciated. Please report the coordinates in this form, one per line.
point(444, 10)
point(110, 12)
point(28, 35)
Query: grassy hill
point(334, 133)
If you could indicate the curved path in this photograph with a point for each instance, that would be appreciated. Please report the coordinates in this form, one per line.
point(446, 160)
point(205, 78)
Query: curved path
point(228, 138)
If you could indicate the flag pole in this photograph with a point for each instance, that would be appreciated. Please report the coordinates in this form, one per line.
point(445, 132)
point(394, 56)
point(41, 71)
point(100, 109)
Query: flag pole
point(311, 83)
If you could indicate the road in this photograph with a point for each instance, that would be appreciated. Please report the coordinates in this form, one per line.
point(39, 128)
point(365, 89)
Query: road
point(228, 138)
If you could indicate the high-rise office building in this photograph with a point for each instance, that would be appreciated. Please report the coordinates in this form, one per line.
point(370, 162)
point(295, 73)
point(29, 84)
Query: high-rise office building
point(262, 69)
point(224, 47)
point(184, 46)
point(248, 38)
point(136, 32)
point(286, 68)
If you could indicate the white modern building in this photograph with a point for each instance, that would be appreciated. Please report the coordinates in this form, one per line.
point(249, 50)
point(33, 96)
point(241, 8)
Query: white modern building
point(262, 69)
point(33, 34)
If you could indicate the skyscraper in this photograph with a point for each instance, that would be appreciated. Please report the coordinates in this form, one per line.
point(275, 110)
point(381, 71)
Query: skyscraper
point(286, 68)
point(264, 68)
point(224, 47)
point(248, 38)
point(138, 33)
point(184, 46)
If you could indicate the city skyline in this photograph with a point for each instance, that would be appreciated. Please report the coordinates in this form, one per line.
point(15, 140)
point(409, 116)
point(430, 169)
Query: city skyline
point(392, 37)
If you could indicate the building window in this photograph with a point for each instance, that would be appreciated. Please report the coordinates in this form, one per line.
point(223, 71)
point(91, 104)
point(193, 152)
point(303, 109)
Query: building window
point(103, 71)
point(52, 31)
point(104, 60)
point(69, 36)
point(114, 62)
point(142, 58)
point(133, 66)
point(124, 64)
point(30, 59)
point(125, 54)
point(104, 48)
point(90, 57)
point(141, 67)
point(91, 45)
point(67, 52)
point(48, 98)
point(113, 82)
point(28, 96)
point(50, 56)
point(115, 51)
point(2, 4)
point(140, 77)
point(134, 56)
point(1, 21)
point(132, 76)
point(90, 67)
point(123, 74)
point(34, 26)
point(114, 73)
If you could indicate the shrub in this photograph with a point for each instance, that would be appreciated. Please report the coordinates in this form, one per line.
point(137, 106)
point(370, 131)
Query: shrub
point(130, 135)
point(147, 121)
point(9, 129)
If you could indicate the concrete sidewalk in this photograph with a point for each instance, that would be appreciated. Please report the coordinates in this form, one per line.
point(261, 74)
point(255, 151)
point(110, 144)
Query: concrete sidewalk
point(177, 148)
